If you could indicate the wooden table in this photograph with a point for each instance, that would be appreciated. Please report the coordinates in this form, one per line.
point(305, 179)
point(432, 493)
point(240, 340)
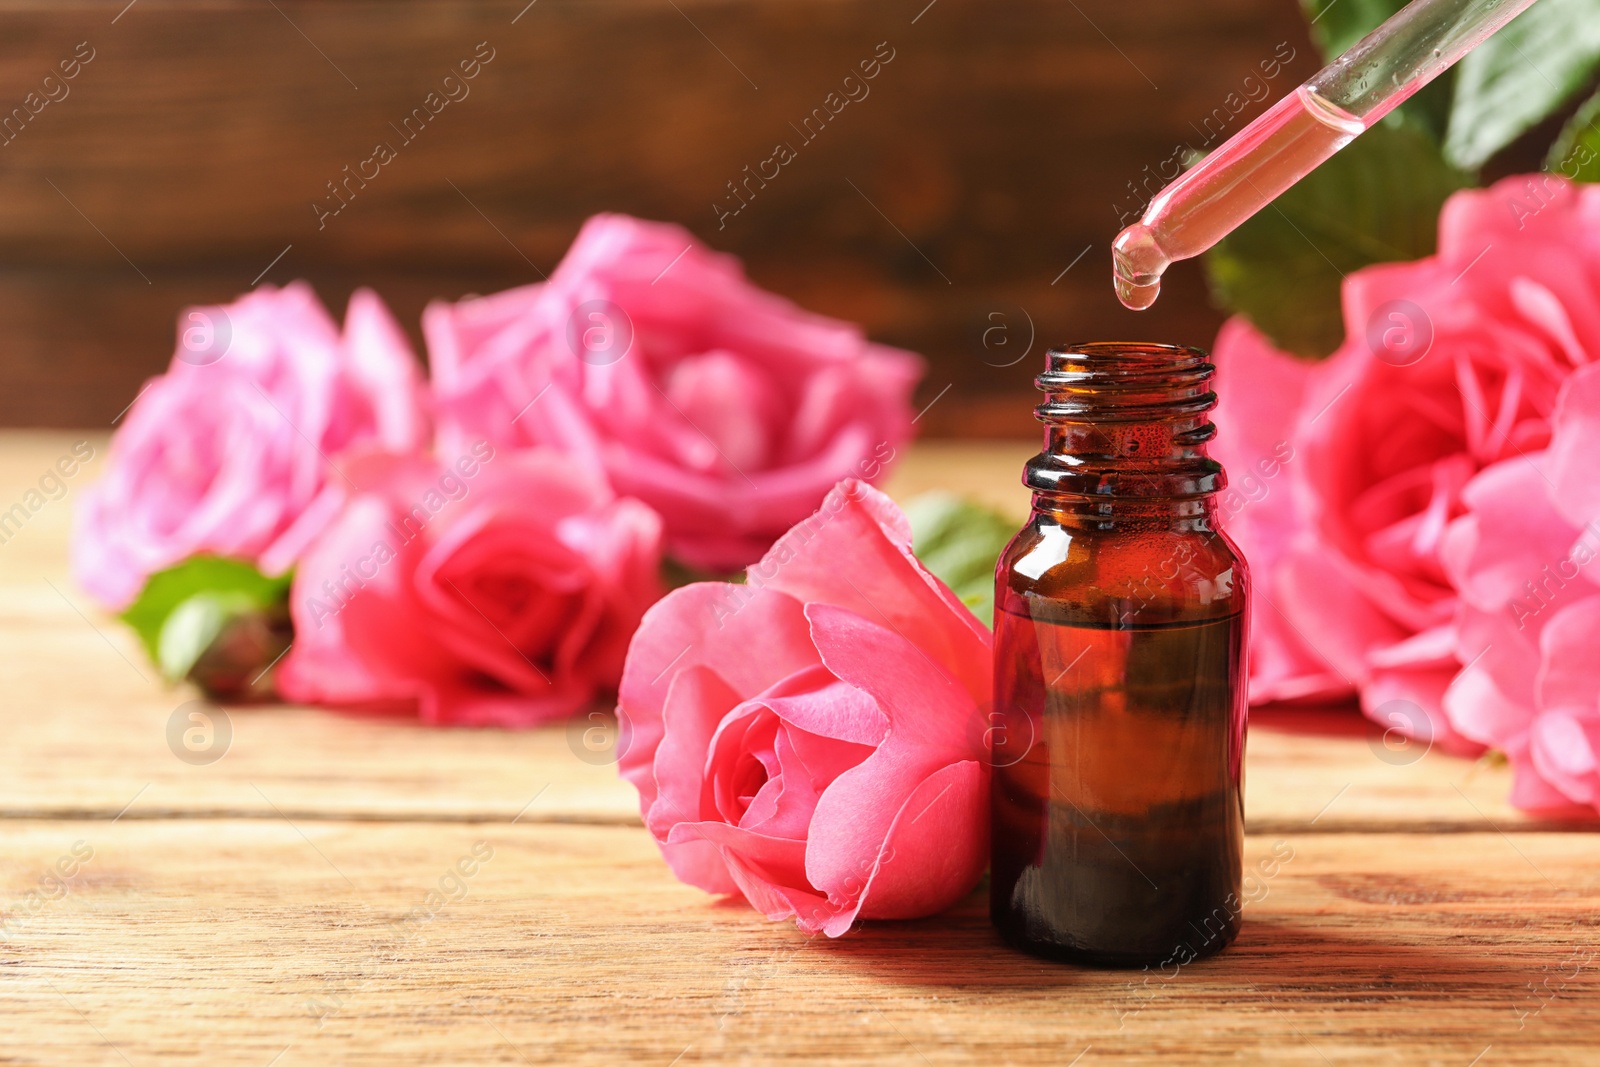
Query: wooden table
point(241, 911)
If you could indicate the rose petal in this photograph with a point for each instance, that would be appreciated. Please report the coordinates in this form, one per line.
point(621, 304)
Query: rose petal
point(1319, 601)
point(930, 716)
point(1569, 649)
point(1412, 702)
point(1480, 711)
point(1565, 751)
point(1574, 446)
point(708, 623)
point(1512, 533)
point(696, 703)
point(855, 553)
point(932, 857)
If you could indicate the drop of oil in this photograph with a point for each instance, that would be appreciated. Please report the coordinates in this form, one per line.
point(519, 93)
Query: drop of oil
point(1136, 297)
point(1137, 265)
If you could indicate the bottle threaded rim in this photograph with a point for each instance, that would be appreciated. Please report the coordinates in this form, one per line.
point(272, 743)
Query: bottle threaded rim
point(1126, 419)
point(1124, 382)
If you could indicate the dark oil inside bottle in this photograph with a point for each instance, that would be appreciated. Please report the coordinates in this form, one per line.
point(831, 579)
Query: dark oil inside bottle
point(1118, 816)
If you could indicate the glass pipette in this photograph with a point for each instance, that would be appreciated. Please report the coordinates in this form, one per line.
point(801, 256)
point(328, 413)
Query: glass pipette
point(1288, 141)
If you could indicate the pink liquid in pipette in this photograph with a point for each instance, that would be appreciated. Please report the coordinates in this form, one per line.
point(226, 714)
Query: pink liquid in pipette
point(1240, 178)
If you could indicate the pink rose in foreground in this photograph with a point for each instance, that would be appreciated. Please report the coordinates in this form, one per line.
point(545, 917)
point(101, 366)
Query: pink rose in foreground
point(1526, 558)
point(1451, 364)
point(724, 407)
point(228, 451)
point(807, 739)
point(491, 590)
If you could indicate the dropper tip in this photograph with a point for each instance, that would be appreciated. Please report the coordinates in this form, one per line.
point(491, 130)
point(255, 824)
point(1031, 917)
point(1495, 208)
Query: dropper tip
point(1136, 297)
point(1137, 264)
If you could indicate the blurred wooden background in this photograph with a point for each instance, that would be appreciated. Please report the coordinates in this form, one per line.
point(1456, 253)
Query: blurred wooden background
point(975, 189)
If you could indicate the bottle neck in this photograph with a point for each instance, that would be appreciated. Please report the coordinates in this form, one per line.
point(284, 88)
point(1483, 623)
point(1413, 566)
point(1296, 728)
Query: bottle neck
point(1075, 511)
point(1126, 428)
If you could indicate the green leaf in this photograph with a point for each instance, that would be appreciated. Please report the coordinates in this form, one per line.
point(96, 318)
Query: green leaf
point(1576, 153)
point(960, 542)
point(182, 609)
point(1520, 76)
point(1376, 201)
point(1429, 109)
point(191, 627)
point(1337, 24)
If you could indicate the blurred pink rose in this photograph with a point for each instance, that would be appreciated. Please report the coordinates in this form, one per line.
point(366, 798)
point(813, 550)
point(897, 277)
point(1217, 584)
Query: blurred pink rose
point(1450, 364)
point(726, 408)
point(228, 451)
point(490, 590)
point(1526, 558)
point(808, 739)
point(1261, 391)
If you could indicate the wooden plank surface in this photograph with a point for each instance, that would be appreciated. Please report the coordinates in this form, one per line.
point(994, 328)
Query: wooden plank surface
point(238, 941)
point(999, 143)
point(244, 912)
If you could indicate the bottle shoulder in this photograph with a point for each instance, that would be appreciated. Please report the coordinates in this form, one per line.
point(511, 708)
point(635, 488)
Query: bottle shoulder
point(1122, 573)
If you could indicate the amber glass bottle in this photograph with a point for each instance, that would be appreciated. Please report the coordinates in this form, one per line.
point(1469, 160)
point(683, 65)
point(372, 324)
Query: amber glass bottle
point(1119, 719)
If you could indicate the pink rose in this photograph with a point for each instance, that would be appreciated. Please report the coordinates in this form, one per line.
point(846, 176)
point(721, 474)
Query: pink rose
point(726, 408)
point(491, 590)
point(229, 451)
point(1526, 558)
point(1451, 364)
point(807, 739)
point(1261, 391)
